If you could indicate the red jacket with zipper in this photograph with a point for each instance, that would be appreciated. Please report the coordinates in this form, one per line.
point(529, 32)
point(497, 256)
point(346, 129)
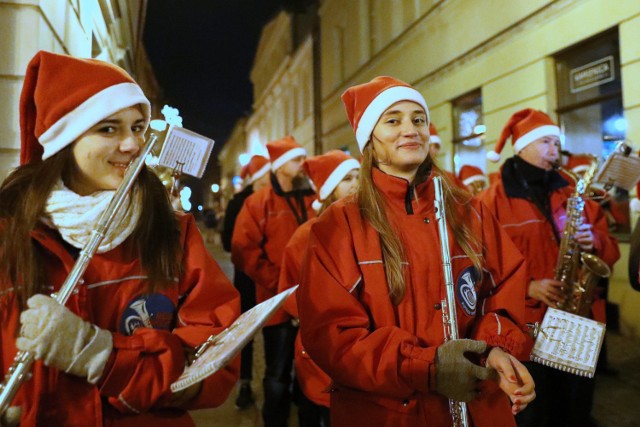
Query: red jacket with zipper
point(381, 356)
point(135, 387)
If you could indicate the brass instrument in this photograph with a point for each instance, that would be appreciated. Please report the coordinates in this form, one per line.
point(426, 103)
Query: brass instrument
point(459, 412)
point(20, 370)
point(579, 271)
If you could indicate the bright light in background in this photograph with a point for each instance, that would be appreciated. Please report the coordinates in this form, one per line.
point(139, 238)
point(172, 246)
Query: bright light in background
point(157, 124)
point(185, 194)
point(215, 188)
point(200, 208)
point(255, 144)
point(244, 158)
point(478, 129)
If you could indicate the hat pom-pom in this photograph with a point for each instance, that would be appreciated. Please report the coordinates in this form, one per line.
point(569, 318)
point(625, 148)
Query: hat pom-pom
point(316, 205)
point(493, 156)
point(635, 205)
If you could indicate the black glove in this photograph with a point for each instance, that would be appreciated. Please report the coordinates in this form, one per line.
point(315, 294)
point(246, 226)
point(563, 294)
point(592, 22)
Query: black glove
point(457, 376)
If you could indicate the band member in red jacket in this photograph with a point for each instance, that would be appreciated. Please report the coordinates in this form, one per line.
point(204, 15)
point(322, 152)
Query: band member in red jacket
point(335, 176)
point(150, 294)
point(370, 300)
point(473, 179)
point(266, 222)
point(435, 144)
point(529, 200)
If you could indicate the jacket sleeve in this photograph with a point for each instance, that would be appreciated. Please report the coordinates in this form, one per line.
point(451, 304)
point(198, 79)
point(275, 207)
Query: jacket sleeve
point(336, 329)
point(501, 298)
point(143, 366)
point(230, 217)
point(247, 251)
point(291, 268)
point(604, 245)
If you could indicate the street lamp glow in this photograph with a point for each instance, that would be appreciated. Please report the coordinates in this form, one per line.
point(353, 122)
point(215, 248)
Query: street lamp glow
point(215, 188)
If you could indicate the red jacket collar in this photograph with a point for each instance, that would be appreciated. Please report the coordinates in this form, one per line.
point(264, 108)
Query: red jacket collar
point(403, 196)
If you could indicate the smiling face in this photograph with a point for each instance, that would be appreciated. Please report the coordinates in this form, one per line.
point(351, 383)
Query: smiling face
point(103, 153)
point(400, 139)
point(542, 152)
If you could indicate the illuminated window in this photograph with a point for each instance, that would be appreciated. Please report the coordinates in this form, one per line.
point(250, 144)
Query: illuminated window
point(468, 131)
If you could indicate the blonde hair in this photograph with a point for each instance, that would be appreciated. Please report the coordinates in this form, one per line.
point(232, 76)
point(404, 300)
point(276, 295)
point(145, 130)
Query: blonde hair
point(372, 207)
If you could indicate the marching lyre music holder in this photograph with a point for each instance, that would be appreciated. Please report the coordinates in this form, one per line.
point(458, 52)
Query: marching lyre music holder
point(620, 169)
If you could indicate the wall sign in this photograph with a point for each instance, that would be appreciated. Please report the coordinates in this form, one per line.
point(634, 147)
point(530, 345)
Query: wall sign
point(593, 74)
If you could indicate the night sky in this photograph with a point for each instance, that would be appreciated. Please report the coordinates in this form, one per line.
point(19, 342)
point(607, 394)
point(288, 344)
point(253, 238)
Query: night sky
point(202, 52)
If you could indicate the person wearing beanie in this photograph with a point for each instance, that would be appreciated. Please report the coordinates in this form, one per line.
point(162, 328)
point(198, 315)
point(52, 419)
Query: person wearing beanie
point(256, 175)
point(334, 176)
point(370, 295)
point(529, 199)
point(472, 178)
point(151, 293)
point(266, 222)
point(435, 143)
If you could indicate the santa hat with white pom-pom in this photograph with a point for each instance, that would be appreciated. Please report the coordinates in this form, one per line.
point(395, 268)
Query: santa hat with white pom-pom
point(524, 127)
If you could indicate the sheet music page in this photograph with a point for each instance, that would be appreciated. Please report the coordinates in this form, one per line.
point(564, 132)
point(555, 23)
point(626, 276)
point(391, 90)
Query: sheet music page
point(621, 171)
point(230, 342)
point(186, 148)
point(568, 342)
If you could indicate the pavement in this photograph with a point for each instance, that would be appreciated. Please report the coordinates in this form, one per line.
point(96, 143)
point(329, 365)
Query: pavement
point(616, 400)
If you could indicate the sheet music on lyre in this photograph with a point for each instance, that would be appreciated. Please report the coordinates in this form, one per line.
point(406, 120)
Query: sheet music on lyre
point(220, 349)
point(620, 170)
point(569, 343)
point(186, 150)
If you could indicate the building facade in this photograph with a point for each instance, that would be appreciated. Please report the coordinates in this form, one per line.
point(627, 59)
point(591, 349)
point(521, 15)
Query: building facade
point(476, 63)
point(282, 80)
point(110, 30)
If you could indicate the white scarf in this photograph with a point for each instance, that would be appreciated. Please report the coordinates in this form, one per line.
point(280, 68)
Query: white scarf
point(75, 216)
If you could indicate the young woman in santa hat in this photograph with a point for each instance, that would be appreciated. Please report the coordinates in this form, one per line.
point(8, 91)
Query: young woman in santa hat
point(334, 176)
point(149, 295)
point(372, 284)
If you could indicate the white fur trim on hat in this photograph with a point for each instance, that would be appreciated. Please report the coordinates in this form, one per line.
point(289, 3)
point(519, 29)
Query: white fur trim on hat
point(635, 205)
point(493, 156)
point(291, 154)
point(378, 106)
point(474, 178)
point(435, 139)
point(336, 176)
point(537, 133)
point(98, 107)
point(260, 172)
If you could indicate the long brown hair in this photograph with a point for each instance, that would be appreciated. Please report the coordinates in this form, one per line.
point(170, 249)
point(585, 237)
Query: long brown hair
point(23, 197)
point(372, 207)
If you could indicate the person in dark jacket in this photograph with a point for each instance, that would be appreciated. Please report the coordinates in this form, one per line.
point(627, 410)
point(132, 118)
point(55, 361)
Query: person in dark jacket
point(256, 174)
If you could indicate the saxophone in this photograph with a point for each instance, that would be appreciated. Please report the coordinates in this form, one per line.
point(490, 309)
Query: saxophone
point(578, 270)
point(458, 410)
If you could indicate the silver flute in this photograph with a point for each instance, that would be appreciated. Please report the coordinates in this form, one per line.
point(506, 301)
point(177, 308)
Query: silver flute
point(458, 410)
point(20, 370)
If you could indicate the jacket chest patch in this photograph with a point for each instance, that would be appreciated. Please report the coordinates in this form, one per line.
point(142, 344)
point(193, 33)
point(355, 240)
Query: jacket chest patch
point(149, 311)
point(466, 290)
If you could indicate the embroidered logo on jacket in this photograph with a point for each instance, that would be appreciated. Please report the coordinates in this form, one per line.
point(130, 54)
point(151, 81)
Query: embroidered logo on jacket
point(149, 311)
point(466, 290)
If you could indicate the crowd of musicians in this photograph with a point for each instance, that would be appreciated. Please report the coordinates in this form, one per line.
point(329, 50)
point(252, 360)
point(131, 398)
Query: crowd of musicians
point(360, 342)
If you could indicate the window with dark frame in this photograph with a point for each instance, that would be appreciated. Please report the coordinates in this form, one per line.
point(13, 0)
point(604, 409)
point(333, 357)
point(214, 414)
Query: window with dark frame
point(591, 113)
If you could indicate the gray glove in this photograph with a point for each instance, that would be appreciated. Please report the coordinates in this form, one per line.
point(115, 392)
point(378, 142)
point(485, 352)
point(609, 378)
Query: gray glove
point(456, 376)
point(63, 340)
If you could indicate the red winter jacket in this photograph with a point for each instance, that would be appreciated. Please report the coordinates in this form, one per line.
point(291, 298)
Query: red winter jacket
point(312, 380)
point(263, 228)
point(135, 387)
point(381, 356)
point(534, 236)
